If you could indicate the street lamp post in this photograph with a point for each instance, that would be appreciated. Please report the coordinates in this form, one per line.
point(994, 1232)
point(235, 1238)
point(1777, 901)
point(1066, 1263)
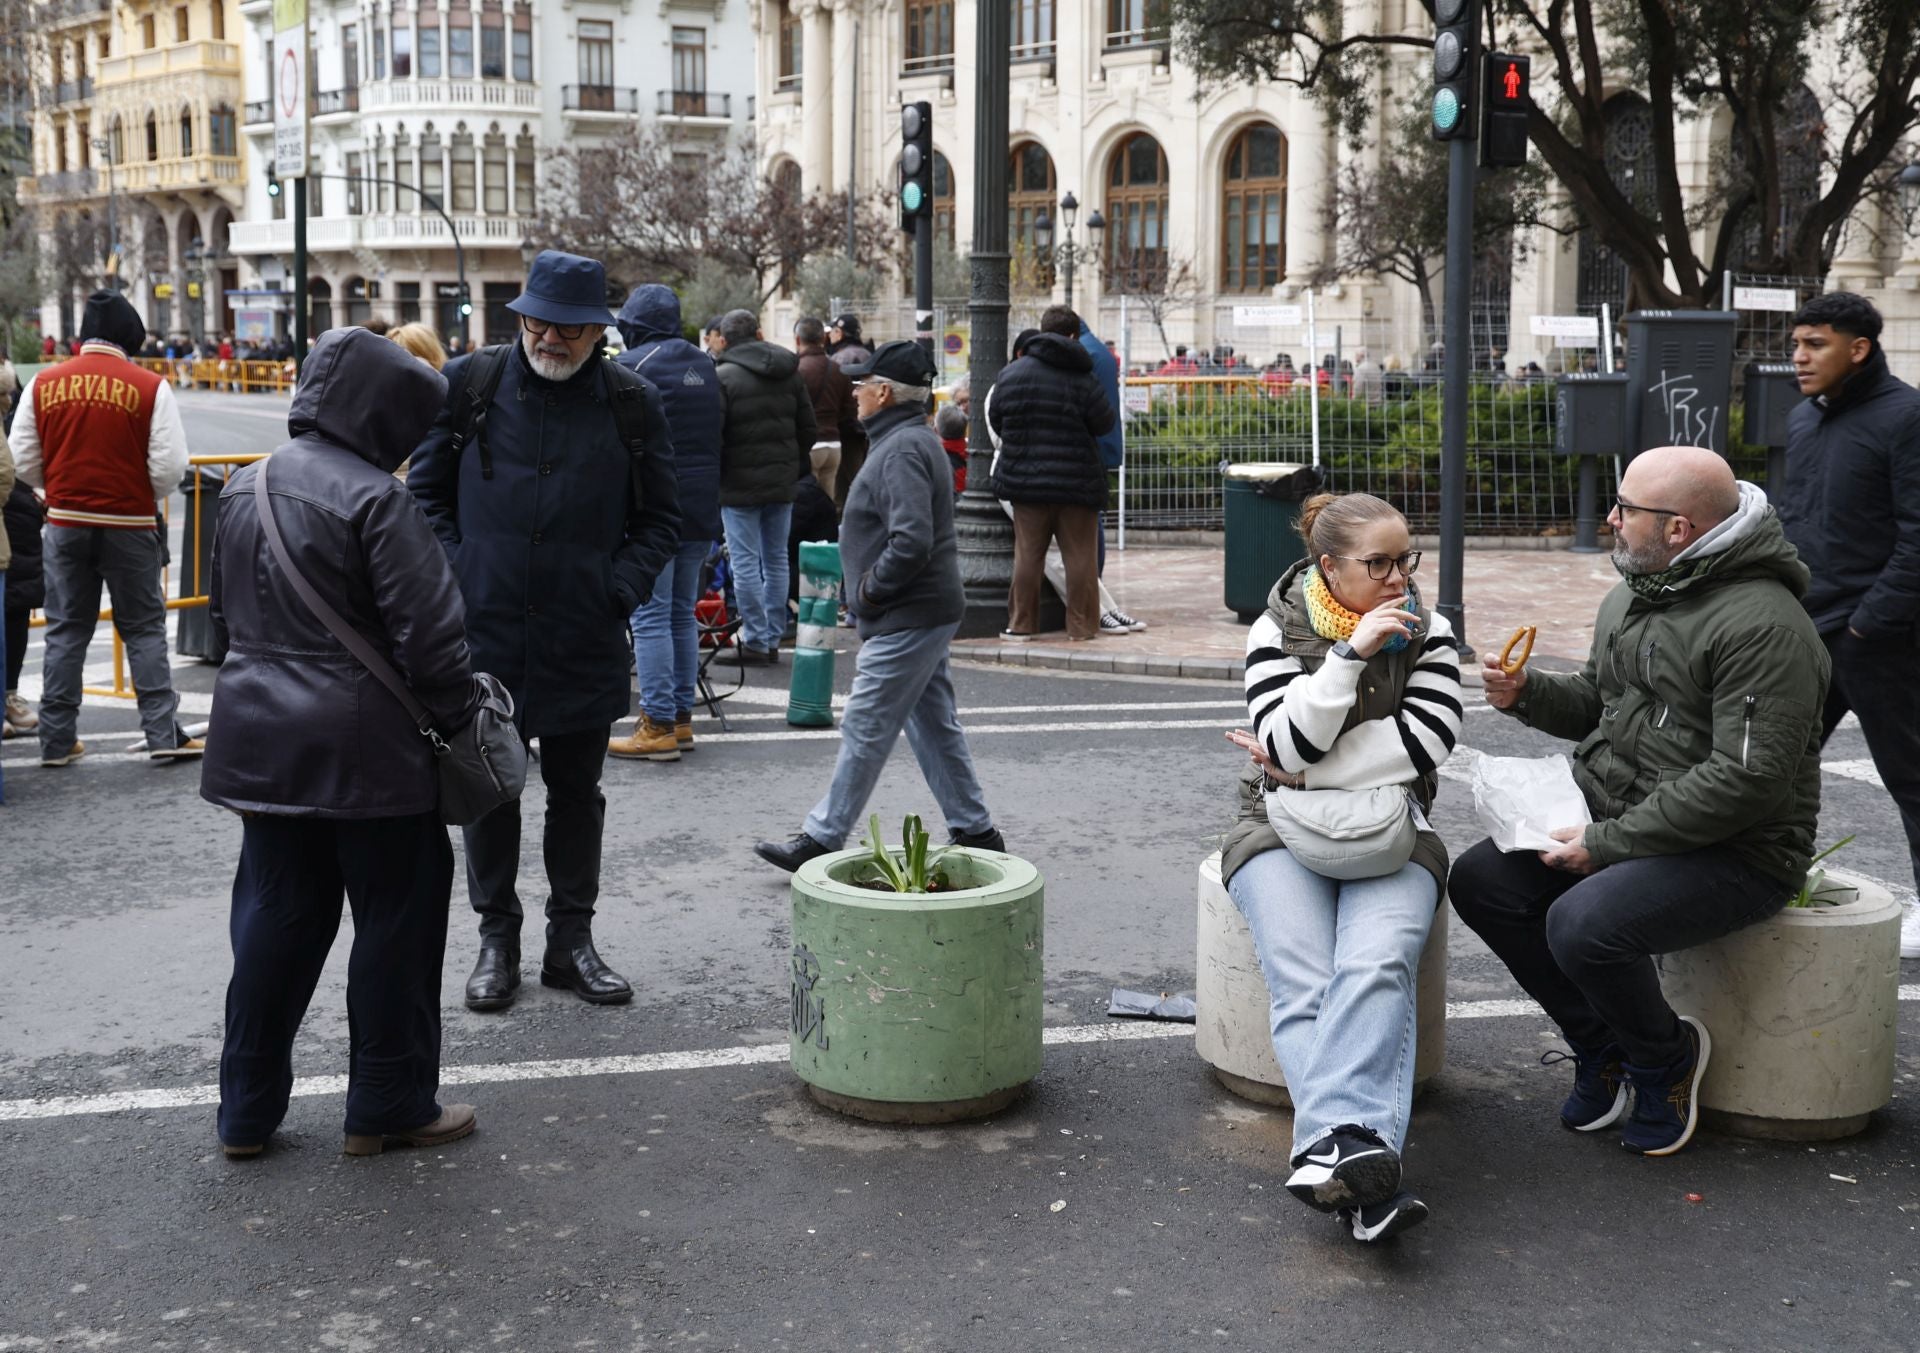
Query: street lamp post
point(104, 149)
point(195, 275)
point(1070, 253)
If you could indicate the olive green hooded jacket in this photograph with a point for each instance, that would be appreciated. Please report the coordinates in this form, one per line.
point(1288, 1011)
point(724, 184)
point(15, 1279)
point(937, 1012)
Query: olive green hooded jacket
point(1698, 711)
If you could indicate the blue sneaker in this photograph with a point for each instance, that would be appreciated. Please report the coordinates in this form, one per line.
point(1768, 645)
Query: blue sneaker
point(1383, 1221)
point(1349, 1167)
point(1666, 1104)
point(1599, 1088)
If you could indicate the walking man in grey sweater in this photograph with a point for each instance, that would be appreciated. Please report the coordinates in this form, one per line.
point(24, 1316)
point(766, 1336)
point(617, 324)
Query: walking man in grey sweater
point(902, 567)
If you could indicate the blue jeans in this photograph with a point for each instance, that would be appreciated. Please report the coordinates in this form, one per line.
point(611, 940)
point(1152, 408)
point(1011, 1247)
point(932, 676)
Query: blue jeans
point(666, 641)
point(1340, 958)
point(901, 681)
point(757, 547)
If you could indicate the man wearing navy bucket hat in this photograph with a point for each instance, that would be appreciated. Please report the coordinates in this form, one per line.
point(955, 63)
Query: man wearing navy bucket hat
point(549, 478)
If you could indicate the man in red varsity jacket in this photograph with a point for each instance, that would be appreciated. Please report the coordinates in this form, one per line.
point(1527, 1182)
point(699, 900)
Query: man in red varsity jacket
point(103, 438)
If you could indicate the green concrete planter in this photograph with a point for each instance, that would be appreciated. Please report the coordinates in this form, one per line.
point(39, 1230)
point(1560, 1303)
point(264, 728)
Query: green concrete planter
point(918, 1009)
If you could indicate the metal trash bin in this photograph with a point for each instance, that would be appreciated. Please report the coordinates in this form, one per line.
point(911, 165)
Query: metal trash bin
point(1262, 516)
point(193, 574)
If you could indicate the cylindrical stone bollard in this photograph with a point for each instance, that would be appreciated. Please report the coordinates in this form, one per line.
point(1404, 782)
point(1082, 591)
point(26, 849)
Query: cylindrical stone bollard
point(918, 1008)
point(810, 692)
point(1234, 1029)
point(1802, 1009)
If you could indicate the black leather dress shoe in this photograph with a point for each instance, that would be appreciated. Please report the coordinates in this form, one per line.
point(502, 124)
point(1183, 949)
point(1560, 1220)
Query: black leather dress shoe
point(790, 855)
point(496, 977)
point(582, 971)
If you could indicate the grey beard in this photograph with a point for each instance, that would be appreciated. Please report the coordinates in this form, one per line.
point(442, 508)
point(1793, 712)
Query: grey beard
point(1639, 563)
point(550, 368)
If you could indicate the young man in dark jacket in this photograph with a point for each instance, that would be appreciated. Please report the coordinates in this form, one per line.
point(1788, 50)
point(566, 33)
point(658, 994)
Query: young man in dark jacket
point(902, 567)
point(766, 446)
point(557, 530)
point(1851, 506)
point(1697, 718)
point(1047, 411)
point(666, 637)
point(26, 592)
point(336, 787)
point(836, 423)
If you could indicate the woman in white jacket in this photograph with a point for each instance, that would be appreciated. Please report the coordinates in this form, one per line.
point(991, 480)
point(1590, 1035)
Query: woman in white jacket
point(1352, 684)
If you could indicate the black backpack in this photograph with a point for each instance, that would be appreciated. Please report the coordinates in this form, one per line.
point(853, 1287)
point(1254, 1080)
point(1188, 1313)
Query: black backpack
point(471, 399)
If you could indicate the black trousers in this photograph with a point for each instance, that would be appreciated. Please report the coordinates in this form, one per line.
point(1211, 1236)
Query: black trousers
point(570, 764)
point(397, 875)
point(1876, 681)
point(1582, 945)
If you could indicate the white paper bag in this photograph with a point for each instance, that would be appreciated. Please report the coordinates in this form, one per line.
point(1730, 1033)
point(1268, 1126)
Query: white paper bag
point(1521, 799)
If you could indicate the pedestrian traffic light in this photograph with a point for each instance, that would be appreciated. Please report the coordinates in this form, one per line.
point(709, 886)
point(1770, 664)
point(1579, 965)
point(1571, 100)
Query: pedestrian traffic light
point(1503, 122)
point(1456, 59)
point(916, 163)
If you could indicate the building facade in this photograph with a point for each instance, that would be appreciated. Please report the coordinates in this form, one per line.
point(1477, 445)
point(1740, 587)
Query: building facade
point(138, 167)
point(1217, 195)
point(457, 101)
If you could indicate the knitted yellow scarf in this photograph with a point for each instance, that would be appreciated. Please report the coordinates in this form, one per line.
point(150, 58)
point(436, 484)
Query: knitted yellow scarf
point(1331, 620)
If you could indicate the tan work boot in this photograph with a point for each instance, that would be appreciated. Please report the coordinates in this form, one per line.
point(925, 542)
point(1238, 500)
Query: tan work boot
point(683, 729)
point(455, 1121)
point(650, 742)
point(73, 754)
point(186, 751)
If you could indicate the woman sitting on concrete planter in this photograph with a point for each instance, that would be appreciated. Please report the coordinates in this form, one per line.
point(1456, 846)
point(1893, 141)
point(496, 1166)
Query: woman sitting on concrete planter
point(1354, 691)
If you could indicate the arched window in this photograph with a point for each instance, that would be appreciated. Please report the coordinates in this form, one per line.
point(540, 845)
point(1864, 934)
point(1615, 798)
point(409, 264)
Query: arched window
point(1137, 213)
point(1798, 130)
point(222, 131)
point(1034, 187)
point(943, 214)
point(319, 306)
point(1253, 210)
point(792, 47)
point(186, 132)
point(786, 177)
point(117, 141)
point(153, 136)
point(1602, 274)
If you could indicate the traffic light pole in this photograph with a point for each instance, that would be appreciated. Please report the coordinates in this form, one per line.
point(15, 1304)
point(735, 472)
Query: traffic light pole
point(923, 282)
point(299, 272)
point(1456, 386)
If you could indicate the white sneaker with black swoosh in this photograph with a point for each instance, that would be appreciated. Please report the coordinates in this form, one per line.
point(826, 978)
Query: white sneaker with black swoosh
point(1349, 1167)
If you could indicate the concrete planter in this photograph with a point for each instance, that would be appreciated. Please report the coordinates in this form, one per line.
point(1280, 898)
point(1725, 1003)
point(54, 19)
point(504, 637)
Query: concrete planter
point(918, 1009)
point(1803, 1009)
point(1234, 1032)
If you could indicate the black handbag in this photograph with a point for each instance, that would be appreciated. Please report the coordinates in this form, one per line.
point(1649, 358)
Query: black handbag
point(480, 767)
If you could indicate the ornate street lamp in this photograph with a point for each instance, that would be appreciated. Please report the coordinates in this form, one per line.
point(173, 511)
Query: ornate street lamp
point(1068, 256)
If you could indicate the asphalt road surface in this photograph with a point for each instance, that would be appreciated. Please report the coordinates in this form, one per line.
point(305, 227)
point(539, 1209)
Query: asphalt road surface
point(652, 1177)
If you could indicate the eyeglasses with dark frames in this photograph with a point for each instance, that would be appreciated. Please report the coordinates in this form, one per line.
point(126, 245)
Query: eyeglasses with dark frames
point(1380, 567)
point(537, 327)
point(1622, 506)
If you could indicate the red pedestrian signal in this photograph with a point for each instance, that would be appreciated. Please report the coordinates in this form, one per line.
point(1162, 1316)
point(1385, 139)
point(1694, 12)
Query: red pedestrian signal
point(1503, 130)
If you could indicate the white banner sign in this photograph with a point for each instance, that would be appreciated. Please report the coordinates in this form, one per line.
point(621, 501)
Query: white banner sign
point(1267, 316)
point(1784, 300)
point(1566, 331)
point(1138, 399)
point(290, 89)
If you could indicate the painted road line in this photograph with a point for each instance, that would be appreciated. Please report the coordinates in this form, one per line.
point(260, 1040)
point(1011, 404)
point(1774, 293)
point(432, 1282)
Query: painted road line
point(1855, 770)
point(573, 1068)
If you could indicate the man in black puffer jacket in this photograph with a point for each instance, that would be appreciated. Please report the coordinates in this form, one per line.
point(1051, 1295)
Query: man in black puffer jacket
point(765, 447)
point(1047, 412)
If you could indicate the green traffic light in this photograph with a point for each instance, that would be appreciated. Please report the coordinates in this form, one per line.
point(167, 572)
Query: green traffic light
point(1446, 110)
point(910, 197)
point(273, 187)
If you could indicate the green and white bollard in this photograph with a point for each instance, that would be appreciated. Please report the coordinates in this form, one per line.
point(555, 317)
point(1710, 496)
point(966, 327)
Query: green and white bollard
point(810, 695)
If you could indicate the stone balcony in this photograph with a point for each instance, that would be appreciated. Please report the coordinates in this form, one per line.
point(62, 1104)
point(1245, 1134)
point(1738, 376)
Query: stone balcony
point(182, 58)
point(381, 231)
point(187, 171)
point(400, 95)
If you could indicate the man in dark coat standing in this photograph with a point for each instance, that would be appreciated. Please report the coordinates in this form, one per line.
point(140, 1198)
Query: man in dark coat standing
point(1048, 412)
point(766, 448)
point(557, 529)
point(834, 418)
point(336, 788)
point(666, 636)
point(1851, 507)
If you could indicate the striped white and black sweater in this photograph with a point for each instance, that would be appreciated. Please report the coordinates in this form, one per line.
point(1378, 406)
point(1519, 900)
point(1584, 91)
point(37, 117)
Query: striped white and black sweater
point(1298, 716)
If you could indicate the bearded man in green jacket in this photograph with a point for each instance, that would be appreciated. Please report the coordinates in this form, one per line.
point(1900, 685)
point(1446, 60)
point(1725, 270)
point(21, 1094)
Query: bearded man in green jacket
point(1698, 722)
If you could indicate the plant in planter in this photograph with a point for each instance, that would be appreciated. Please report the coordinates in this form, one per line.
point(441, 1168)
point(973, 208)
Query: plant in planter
point(1817, 891)
point(916, 978)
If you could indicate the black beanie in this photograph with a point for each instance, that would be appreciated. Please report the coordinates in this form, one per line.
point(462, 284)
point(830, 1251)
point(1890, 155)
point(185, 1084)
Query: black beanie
point(108, 316)
point(1021, 339)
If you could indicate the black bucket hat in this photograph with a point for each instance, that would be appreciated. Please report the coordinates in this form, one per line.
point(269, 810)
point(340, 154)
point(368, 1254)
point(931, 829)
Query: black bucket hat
point(564, 289)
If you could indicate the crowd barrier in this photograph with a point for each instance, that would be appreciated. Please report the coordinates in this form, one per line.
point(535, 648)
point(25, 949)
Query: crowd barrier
point(213, 373)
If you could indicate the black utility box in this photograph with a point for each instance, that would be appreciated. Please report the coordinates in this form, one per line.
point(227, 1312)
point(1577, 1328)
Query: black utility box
point(1680, 378)
point(1772, 394)
point(1590, 414)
